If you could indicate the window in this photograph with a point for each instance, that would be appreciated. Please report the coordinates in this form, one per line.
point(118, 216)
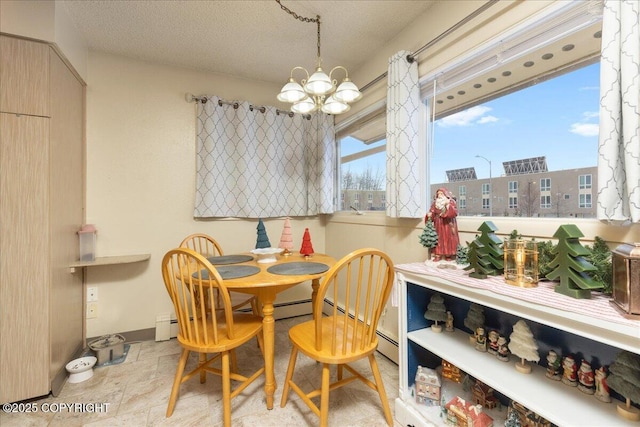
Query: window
point(584, 182)
point(513, 202)
point(585, 201)
point(530, 97)
point(545, 184)
point(363, 168)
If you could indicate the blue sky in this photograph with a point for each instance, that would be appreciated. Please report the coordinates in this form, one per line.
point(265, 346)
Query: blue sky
point(557, 119)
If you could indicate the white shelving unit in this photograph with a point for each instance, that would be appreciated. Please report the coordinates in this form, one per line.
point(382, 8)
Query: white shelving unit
point(558, 403)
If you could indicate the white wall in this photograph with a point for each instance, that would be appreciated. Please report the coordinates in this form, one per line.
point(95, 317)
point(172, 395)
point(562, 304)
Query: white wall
point(141, 163)
point(141, 182)
point(48, 21)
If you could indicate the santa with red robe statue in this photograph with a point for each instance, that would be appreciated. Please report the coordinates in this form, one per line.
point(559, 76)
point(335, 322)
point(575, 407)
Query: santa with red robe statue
point(443, 213)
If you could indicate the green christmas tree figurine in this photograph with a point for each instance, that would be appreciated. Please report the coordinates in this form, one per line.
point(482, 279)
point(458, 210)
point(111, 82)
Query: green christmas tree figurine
point(485, 254)
point(624, 378)
point(570, 264)
point(263, 239)
point(461, 255)
point(429, 236)
point(436, 311)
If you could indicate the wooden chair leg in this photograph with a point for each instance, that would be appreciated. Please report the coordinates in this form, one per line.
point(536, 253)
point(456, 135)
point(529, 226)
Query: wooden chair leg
point(177, 381)
point(324, 396)
point(340, 367)
point(226, 389)
point(202, 358)
point(380, 387)
point(290, 368)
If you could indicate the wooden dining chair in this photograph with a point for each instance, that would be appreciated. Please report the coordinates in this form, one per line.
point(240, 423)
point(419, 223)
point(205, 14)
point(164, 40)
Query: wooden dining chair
point(361, 282)
point(211, 334)
point(209, 247)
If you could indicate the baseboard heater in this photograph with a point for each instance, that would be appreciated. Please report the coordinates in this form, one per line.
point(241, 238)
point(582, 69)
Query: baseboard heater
point(167, 324)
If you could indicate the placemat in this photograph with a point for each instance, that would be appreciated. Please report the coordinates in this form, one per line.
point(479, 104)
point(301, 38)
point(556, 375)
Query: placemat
point(229, 259)
point(298, 268)
point(232, 271)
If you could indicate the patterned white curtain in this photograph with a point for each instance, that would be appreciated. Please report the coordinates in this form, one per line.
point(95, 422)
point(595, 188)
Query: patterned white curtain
point(252, 164)
point(619, 141)
point(405, 140)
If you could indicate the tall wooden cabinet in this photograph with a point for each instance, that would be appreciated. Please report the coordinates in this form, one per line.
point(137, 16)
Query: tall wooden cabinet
point(41, 208)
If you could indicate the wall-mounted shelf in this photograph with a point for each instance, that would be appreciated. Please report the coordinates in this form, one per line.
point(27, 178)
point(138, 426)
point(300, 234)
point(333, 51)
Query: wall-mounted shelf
point(111, 260)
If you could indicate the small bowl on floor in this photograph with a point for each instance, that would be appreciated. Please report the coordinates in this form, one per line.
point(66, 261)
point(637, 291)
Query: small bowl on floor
point(81, 369)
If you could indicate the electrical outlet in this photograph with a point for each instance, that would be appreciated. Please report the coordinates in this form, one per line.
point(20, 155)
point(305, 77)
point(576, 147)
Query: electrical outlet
point(92, 310)
point(92, 294)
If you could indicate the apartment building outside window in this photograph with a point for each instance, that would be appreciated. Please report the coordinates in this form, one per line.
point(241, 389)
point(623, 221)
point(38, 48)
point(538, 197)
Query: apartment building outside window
point(462, 197)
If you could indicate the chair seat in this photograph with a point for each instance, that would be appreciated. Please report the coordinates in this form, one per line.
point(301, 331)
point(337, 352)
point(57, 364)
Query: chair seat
point(245, 327)
point(303, 336)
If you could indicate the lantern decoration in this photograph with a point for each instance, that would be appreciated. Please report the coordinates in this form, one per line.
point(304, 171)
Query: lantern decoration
point(521, 262)
point(626, 279)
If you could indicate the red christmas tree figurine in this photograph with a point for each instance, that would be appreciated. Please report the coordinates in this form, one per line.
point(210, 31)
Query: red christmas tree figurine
point(307, 248)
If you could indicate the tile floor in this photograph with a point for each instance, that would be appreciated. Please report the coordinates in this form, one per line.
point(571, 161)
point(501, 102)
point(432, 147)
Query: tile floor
point(137, 392)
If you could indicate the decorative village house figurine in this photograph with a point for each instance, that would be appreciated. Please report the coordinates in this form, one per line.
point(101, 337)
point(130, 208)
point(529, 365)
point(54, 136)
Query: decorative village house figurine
point(586, 381)
point(569, 371)
point(483, 395)
point(553, 366)
point(461, 413)
point(427, 385)
point(451, 372)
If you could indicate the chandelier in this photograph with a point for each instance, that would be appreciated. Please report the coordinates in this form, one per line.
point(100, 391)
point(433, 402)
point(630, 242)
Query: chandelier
point(320, 91)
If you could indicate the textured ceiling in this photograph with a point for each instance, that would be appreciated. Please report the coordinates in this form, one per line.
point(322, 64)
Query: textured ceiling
point(251, 39)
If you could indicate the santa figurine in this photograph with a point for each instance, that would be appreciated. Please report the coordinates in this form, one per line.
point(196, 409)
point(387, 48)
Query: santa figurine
point(553, 366)
point(602, 388)
point(585, 378)
point(569, 371)
point(493, 342)
point(503, 349)
point(443, 213)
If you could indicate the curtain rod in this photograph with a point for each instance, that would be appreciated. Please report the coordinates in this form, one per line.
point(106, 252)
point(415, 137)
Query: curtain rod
point(203, 100)
point(412, 56)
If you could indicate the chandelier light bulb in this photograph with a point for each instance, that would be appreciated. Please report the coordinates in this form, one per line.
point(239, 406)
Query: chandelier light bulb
point(333, 106)
point(291, 92)
point(305, 106)
point(347, 92)
point(319, 84)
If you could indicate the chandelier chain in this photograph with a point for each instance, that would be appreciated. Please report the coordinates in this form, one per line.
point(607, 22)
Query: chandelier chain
point(303, 19)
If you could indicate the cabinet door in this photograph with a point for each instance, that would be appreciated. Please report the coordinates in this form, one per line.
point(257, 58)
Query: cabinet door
point(24, 257)
point(24, 77)
point(66, 145)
